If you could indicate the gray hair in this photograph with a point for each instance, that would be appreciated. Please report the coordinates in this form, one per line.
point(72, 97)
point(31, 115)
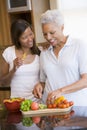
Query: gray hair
point(54, 16)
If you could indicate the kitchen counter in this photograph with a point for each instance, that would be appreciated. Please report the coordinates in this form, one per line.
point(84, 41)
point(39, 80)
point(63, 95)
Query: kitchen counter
point(73, 120)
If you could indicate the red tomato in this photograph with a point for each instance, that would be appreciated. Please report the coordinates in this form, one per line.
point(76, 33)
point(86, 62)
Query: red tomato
point(36, 120)
point(49, 106)
point(54, 105)
point(65, 101)
point(59, 105)
point(34, 106)
point(63, 106)
point(71, 103)
point(67, 104)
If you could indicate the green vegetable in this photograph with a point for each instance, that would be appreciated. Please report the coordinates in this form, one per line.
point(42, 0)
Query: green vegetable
point(25, 105)
point(27, 121)
point(42, 106)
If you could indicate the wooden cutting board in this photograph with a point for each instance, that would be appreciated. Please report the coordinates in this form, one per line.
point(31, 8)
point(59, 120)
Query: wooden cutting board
point(46, 111)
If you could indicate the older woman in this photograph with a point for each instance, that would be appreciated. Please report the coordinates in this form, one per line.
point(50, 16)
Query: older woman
point(63, 64)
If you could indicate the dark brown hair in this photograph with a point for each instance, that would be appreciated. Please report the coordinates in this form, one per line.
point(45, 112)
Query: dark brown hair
point(17, 29)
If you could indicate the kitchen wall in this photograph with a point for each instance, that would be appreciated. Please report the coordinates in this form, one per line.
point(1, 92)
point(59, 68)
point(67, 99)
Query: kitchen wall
point(75, 16)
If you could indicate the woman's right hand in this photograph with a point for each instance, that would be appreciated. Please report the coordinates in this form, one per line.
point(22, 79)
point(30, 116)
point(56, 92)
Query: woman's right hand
point(17, 62)
point(38, 90)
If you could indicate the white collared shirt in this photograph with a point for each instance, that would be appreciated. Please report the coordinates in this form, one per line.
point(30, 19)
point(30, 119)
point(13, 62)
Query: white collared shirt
point(65, 69)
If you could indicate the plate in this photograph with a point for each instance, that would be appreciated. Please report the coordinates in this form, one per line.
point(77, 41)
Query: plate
point(47, 111)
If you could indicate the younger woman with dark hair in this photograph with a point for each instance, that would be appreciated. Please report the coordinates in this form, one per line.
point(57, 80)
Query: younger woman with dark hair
point(21, 61)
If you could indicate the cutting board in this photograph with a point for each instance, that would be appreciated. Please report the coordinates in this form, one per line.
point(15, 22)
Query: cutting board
point(47, 111)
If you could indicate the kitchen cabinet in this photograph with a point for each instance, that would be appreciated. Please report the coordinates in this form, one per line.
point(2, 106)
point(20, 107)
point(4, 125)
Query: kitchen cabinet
point(4, 25)
point(4, 93)
point(38, 7)
point(32, 16)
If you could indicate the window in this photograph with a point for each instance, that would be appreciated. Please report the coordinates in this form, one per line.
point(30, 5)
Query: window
point(75, 15)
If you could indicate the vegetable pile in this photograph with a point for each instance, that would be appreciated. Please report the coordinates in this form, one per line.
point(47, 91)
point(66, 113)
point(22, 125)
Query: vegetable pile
point(60, 102)
point(28, 104)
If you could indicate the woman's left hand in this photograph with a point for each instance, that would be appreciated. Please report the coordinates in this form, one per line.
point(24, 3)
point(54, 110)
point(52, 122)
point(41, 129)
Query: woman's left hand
point(53, 95)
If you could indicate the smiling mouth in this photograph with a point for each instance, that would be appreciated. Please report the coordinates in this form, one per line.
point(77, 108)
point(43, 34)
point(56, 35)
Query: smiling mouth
point(30, 44)
point(51, 41)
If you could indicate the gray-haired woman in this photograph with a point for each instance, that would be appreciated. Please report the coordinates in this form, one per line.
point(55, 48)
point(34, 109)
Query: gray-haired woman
point(63, 69)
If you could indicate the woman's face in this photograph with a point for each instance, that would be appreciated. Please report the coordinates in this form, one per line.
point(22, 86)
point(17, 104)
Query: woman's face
point(26, 39)
point(52, 33)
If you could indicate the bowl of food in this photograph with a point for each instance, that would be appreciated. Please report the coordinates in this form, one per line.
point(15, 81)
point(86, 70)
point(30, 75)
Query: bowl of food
point(13, 104)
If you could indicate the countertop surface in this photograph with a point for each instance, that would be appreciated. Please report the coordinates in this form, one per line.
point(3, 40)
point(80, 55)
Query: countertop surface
point(73, 120)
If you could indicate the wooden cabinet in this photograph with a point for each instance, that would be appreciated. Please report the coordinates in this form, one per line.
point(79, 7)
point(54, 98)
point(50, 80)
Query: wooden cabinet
point(33, 16)
point(4, 25)
point(4, 93)
point(38, 7)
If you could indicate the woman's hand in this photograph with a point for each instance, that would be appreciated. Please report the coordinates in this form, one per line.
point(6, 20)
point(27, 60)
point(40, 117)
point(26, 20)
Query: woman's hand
point(53, 95)
point(17, 62)
point(38, 90)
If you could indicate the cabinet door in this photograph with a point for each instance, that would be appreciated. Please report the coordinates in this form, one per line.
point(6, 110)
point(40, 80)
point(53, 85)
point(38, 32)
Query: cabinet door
point(43, 5)
point(34, 18)
point(4, 25)
point(4, 95)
